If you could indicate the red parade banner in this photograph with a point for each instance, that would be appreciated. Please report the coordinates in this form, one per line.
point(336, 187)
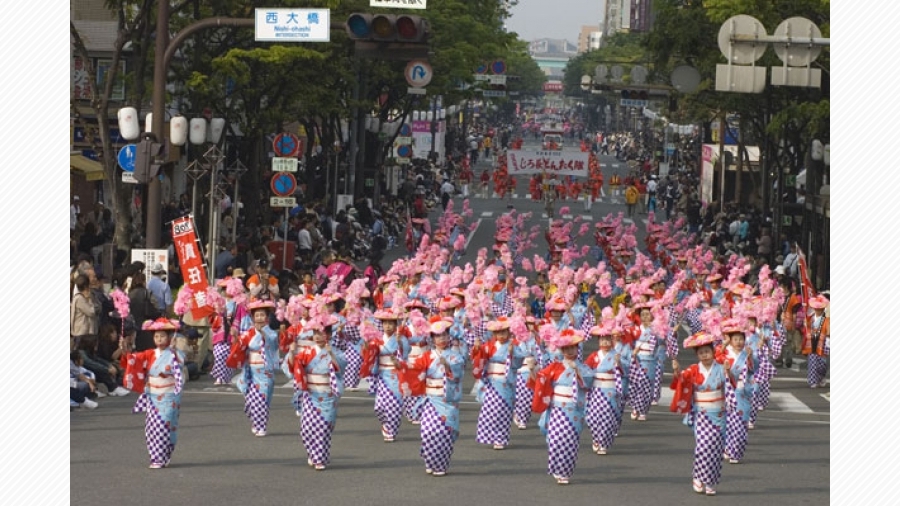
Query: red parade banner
point(191, 262)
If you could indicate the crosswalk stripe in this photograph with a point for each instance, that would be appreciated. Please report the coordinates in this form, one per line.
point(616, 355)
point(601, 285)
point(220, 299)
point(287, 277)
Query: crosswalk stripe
point(487, 214)
point(587, 217)
point(628, 220)
point(784, 401)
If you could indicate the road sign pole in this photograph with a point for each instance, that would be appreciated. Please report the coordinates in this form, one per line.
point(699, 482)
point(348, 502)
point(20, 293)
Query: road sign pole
point(284, 242)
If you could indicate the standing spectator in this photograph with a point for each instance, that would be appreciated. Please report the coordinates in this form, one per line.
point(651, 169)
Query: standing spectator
point(142, 309)
point(473, 149)
point(74, 212)
point(488, 142)
point(262, 285)
point(764, 244)
point(652, 188)
point(84, 310)
point(791, 262)
point(304, 241)
point(160, 289)
point(447, 191)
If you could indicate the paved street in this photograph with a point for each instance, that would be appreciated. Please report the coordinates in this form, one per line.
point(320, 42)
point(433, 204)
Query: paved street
point(218, 460)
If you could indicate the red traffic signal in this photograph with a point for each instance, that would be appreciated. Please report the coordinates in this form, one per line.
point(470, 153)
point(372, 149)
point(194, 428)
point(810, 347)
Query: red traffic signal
point(387, 28)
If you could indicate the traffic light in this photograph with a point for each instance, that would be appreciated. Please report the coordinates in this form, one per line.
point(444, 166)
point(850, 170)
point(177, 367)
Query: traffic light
point(147, 159)
point(387, 28)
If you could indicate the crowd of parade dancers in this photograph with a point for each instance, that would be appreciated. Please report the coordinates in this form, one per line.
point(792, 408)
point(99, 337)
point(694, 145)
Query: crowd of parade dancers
point(517, 320)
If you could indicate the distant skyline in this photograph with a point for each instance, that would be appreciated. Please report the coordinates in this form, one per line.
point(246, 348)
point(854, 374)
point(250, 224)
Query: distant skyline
point(554, 19)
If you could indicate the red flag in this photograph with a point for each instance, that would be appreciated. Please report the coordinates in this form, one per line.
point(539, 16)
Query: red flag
point(191, 262)
point(806, 288)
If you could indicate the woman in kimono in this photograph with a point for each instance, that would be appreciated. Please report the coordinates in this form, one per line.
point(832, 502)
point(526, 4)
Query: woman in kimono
point(383, 363)
point(527, 349)
point(760, 342)
point(559, 393)
point(437, 374)
point(560, 320)
point(255, 352)
point(700, 396)
point(159, 375)
point(416, 345)
point(235, 320)
point(493, 365)
point(604, 401)
point(817, 342)
point(736, 358)
point(460, 337)
point(318, 373)
point(646, 350)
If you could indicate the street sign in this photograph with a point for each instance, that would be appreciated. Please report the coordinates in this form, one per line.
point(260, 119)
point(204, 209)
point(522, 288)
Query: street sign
point(481, 69)
point(283, 184)
point(405, 130)
point(394, 4)
point(292, 25)
point(282, 202)
point(497, 79)
point(284, 164)
point(128, 178)
point(481, 77)
point(498, 67)
point(629, 102)
point(493, 93)
point(286, 144)
point(415, 91)
point(126, 157)
point(418, 73)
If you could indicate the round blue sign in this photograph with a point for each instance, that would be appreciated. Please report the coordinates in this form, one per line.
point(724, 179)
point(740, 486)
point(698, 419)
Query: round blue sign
point(404, 151)
point(405, 130)
point(481, 69)
point(126, 157)
point(498, 67)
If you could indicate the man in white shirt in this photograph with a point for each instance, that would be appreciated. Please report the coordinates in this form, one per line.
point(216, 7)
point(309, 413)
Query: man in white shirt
point(304, 240)
point(791, 262)
point(447, 191)
point(652, 187)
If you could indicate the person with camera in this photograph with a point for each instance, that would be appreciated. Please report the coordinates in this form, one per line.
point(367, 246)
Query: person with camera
point(262, 285)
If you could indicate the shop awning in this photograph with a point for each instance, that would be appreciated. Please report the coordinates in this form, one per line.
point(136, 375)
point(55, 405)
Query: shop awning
point(93, 171)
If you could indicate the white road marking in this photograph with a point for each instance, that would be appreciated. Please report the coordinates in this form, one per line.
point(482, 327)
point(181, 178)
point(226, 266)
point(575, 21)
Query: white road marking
point(472, 233)
point(487, 214)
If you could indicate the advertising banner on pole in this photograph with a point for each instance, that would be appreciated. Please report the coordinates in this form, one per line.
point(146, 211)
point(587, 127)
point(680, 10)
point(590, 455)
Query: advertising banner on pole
point(561, 163)
point(191, 262)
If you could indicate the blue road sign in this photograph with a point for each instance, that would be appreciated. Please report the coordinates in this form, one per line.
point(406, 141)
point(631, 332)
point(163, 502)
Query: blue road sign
point(286, 144)
point(498, 67)
point(126, 157)
point(283, 184)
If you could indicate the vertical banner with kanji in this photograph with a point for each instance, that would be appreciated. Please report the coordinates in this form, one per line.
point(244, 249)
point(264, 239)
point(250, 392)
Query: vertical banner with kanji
point(806, 289)
point(191, 261)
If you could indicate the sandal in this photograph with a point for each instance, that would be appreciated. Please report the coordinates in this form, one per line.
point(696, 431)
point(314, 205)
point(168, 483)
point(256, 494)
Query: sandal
point(320, 467)
point(562, 481)
point(698, 486)
point(710, 490)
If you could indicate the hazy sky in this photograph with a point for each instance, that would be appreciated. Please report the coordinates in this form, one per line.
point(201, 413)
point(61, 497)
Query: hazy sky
point(554, 19)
